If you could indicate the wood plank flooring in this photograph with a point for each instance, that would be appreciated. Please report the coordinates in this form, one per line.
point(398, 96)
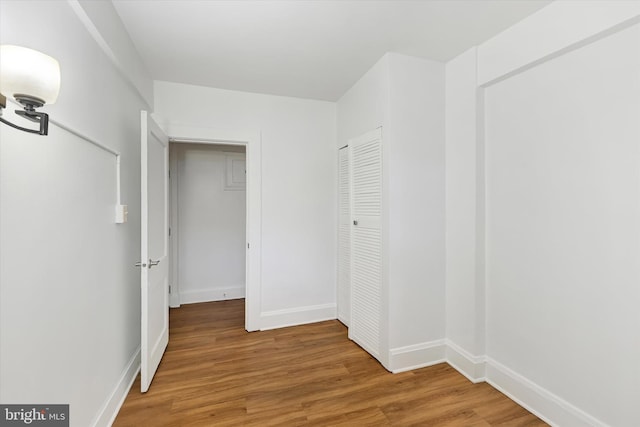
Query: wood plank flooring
point(214, 373)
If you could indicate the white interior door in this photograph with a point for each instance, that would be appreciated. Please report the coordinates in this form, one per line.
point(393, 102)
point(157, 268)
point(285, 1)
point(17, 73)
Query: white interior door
point(344, 236)
point(366, 240)
point(154, 277)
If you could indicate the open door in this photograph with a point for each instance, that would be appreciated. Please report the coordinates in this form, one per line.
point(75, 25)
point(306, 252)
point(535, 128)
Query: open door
point(154, 277)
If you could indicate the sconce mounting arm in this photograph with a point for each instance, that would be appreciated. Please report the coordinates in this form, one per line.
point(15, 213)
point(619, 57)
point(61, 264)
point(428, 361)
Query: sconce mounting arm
point(29, 113)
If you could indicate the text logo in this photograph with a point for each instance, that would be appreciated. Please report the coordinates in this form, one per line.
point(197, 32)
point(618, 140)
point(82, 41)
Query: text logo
point(34, 415)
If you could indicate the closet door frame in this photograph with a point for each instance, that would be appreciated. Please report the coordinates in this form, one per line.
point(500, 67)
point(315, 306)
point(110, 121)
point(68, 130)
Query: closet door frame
point(343, 297)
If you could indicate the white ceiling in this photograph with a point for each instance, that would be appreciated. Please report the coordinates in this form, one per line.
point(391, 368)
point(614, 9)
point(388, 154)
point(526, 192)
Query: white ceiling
point(307, 49)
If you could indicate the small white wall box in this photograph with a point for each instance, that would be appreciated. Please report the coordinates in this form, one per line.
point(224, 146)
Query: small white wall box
point(121, 214)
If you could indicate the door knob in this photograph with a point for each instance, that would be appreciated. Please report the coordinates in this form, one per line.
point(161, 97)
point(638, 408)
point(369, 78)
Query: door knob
point(152, 263)
point(355, 222)
point(140, 264)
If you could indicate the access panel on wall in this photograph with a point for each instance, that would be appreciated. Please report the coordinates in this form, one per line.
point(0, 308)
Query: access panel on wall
point(365, 154)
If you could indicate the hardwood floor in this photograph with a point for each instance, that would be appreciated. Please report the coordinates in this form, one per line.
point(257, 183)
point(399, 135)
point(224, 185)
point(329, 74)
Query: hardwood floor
point(214, 373)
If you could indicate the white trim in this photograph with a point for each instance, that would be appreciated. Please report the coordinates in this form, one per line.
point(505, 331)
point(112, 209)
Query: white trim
point(297, 316)
point(498, 59)
point(109, 411)
point(472, 367)
point(95, 143)
point(539, 401)
point(183, 133)
point(343, 287)
point(547, 406)
point(343, 320)
point(416, 356)
point(212, 294)
point(174, 285)
point(186, 133)
point(126, 72)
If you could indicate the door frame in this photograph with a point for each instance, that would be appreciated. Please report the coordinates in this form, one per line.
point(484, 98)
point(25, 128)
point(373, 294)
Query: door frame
point(180, 133)
point(343, 294)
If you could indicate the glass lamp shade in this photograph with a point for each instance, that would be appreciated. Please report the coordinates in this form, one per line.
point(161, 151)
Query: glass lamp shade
point(29, 73)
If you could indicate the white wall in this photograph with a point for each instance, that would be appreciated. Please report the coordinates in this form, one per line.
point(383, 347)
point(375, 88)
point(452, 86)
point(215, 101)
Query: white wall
point(299, 176)
point(563, 221)
point(365, 105)
point(554, 133)
point(211, 225)
point(415, 196)
point(69, 294)
point(464, 208)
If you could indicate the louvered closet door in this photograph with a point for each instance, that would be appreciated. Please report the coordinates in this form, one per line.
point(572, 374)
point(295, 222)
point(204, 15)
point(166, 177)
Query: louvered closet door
point(366, 240)
point(344, 238)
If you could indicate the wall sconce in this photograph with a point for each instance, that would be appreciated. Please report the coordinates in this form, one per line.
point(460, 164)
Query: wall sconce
point(32, 79)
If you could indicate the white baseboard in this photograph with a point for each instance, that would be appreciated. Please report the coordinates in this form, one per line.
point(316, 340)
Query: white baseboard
point(547, 406)
point(536, 399)
point(111, 407)
point(212, 294)
point(416, 356)
point(343, 320)
point(472, 367)
point(297, 316)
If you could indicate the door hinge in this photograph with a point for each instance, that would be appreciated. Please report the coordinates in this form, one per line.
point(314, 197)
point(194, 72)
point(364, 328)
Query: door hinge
point(169, 231)
point(247, 245)
point(169, 288)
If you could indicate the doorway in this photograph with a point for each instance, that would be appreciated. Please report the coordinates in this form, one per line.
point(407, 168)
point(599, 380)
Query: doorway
point(208, 222)
point(252, 141)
